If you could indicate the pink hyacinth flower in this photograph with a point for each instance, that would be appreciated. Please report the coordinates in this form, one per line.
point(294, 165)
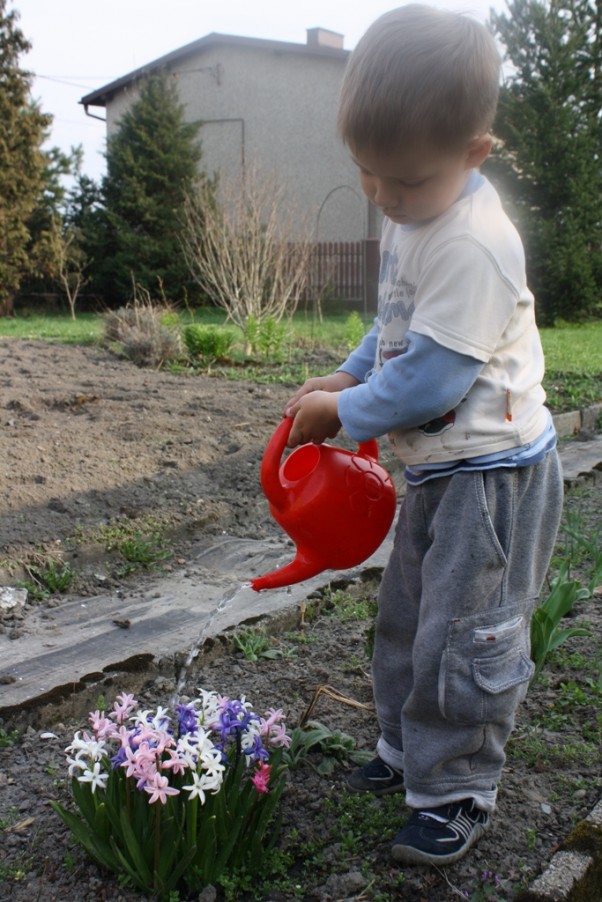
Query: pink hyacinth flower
point(261, 778)
point(123, 706)
point(158, 788)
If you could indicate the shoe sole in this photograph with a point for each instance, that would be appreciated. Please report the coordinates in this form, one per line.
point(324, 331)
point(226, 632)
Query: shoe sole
point(411, 855)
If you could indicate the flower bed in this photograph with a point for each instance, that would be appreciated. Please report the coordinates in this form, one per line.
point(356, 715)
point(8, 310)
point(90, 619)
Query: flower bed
point(177, 800)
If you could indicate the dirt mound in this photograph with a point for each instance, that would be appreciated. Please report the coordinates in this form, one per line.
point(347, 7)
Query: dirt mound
point(89, 438)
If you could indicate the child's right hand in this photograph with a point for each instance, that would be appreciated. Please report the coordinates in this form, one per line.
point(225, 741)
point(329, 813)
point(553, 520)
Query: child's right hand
point(332, 383)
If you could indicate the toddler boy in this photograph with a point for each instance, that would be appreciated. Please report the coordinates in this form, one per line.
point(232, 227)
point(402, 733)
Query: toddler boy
point(452, 372)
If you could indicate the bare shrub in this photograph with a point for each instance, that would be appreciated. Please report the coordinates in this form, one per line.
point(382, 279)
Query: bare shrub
point(239, 251)
point(71, 266)
point(144, 331)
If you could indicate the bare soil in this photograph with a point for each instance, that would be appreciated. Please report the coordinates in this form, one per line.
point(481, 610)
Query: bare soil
point(90, 442)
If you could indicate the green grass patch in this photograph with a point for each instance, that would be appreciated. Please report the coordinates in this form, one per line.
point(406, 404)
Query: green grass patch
point(573, 365)
point(87, 329)
point(574, 348)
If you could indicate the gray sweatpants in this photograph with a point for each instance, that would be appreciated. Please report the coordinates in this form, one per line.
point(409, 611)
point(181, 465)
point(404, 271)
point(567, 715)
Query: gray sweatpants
point(451, 656)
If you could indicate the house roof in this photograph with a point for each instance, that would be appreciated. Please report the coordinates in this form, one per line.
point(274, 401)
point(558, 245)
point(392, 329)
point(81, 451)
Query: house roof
point(103, 95)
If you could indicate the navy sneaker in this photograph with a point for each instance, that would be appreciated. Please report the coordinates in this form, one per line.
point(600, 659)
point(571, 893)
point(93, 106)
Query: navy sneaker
point(376, 777)
point(440, 835)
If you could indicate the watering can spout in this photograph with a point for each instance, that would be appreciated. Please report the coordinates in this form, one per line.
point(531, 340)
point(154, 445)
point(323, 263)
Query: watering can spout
point(296, 571)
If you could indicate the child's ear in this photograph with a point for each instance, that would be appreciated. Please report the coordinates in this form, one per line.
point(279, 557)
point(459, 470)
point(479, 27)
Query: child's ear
point(478, 151)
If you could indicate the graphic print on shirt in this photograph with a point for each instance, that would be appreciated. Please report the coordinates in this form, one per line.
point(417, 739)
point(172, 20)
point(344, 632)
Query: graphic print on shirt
point(440, 424)
point(395, 309)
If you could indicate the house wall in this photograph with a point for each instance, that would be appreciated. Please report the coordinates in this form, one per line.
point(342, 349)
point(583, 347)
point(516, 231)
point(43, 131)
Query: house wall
point(273, 112)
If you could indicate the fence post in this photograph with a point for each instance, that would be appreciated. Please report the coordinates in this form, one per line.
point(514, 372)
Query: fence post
point(371, 271)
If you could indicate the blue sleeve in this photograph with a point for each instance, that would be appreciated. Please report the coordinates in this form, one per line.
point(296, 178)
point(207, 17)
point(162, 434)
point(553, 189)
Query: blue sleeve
point(424, 382)
point(361, 361)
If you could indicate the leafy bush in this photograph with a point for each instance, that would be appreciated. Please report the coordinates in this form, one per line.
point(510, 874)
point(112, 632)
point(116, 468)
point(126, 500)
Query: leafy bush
point(207, 343)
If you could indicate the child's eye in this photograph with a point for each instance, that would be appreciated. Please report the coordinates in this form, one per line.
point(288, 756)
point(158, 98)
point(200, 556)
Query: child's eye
point(412, 184)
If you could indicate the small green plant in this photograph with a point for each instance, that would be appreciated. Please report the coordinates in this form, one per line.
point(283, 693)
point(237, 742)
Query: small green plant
point(8, 737)
point(354, 330)
point(266, 337)
point(532, 834)
point(490, 889)
point(207, 343)
point(253, 644)
point(57, 576)
point(333, 746)
point(256, 644)
point(14, 872)
point(10, 820)
point(546, 631)
point(349, 606)
point(143, 551)
point(48, 578)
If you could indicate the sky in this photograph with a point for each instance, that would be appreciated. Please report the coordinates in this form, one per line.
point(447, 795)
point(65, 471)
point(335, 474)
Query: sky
point(81, 45)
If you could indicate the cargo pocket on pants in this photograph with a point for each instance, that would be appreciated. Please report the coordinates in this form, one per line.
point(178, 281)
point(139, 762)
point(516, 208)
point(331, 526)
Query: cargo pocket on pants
point(485, 668)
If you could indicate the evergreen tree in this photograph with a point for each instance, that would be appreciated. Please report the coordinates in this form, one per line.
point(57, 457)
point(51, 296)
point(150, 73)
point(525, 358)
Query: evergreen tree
point(23, 165)
point(550, 128)
point(152, 165)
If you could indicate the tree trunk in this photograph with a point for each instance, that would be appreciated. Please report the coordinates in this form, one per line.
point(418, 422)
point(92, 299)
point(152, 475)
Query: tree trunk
point(6, 306)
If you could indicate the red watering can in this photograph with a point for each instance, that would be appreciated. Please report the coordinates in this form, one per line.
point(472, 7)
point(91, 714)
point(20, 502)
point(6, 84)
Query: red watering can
point(337, 506)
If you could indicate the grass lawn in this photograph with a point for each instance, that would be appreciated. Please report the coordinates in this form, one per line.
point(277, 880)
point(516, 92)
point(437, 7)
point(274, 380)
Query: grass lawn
point(85, 330)
point(575, 348)
point(573, 352)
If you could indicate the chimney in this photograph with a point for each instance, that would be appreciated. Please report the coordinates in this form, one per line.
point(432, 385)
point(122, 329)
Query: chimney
point(322, 37)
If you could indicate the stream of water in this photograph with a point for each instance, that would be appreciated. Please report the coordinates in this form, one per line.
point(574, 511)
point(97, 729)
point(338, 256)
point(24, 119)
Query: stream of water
point(221, 606)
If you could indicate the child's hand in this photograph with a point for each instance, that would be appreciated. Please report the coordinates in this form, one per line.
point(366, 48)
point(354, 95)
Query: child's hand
point(333, 383)
point(316, 418)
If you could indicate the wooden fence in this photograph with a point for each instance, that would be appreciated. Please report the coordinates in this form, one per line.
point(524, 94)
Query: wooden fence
point(344, 271)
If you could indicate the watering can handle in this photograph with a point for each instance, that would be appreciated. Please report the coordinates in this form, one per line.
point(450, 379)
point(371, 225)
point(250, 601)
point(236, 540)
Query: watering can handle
point(270, 465)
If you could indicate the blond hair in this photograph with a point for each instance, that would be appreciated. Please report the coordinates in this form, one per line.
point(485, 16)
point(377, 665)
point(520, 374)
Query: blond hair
point(419, 75)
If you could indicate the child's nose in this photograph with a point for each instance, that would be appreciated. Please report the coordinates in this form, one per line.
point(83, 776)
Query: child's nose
point(385, 193)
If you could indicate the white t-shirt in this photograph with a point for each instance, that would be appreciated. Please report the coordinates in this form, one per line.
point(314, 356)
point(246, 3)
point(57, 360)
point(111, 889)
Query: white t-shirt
point(460, 280)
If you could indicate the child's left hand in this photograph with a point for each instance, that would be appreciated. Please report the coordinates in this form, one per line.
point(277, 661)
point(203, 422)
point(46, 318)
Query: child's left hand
point(316, 418)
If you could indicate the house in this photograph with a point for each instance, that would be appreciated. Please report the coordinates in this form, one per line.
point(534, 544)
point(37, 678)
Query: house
point(270, 106)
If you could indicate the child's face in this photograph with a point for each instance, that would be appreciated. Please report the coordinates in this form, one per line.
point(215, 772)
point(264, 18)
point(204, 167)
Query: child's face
point(412, 186)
